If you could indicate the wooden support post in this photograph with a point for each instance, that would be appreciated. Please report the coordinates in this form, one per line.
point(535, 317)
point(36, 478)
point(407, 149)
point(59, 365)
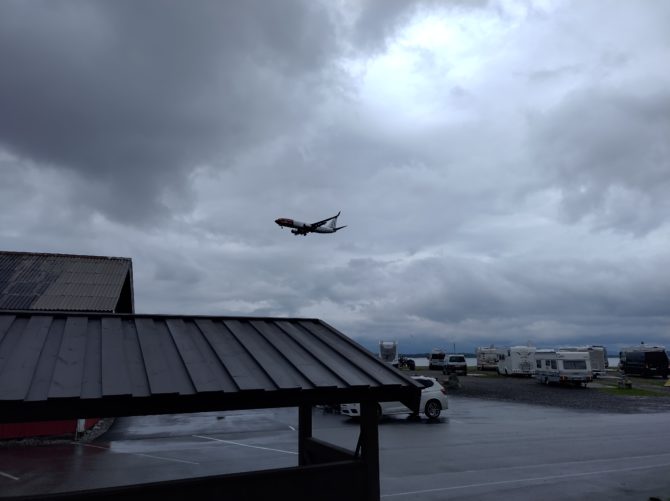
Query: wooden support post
point(370, 449)
point(304, 433)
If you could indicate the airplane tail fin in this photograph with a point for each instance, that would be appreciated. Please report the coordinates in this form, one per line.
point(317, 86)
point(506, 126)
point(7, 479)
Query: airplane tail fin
point(333, 222)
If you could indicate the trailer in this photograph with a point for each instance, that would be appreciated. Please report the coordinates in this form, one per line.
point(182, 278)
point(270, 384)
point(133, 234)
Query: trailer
point(598, 357)
point(487, 358)
point(516, 361)
point(388, 352)
point(562, 366)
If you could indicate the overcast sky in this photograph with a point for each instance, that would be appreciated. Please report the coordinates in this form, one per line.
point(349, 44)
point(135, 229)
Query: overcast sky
point(503, 167)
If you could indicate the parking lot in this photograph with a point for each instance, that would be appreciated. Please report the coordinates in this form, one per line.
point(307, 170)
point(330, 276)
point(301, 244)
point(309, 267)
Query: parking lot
point(478, 448)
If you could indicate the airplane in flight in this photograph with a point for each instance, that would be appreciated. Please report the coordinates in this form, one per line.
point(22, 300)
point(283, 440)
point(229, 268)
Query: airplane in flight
point(300, 228)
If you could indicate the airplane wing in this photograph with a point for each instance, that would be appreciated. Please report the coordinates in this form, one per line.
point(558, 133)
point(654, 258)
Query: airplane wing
point(324, 221)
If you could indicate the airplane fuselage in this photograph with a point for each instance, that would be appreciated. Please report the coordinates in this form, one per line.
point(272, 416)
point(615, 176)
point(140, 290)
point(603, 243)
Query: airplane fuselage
point(300, 228)
point(328, 225)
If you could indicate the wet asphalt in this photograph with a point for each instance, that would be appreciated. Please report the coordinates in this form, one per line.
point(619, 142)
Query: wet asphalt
point(479, 449)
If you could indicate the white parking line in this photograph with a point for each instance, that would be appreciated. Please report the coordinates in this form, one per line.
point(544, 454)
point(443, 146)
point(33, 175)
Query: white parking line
point(164, 459)
point(530, 479)
point(91, 445)
point(570, 463)
point(3, 474)
point(138, 454)
point(244, 445)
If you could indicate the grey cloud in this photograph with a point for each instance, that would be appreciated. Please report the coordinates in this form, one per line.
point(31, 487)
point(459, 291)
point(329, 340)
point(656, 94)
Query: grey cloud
point(176, 134)
point(533, 297)
point(377, 21)
point(134, 95)
point(551, 74)
point(607, 151)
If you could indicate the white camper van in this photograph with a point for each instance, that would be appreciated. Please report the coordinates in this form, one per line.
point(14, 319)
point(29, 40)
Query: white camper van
point(487, 358)
point(558, 366)
point(516, 361)
point(388, 352)
point(598, 357)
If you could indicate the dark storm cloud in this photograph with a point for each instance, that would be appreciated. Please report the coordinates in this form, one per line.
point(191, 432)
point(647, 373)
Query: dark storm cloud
point(508, 300)
point(608, 152)
point(502, 166)
point(456, 289)
point(134, 95)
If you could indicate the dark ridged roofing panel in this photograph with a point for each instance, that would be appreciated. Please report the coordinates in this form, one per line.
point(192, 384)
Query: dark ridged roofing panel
point(61, 282)
point(65, 365)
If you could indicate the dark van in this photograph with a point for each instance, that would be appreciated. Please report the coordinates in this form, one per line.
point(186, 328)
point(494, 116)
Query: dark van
point(644, 361)
point(436, 359)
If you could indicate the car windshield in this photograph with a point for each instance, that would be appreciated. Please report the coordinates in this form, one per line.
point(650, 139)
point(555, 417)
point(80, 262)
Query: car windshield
point(457, 359)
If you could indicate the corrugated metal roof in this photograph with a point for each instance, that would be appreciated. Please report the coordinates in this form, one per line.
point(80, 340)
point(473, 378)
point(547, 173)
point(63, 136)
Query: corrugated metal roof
point(63, 365)
point(61, 282)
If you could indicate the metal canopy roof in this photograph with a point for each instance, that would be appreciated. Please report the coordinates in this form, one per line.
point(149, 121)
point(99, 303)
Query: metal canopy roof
point(69, 365)
point(62, 282)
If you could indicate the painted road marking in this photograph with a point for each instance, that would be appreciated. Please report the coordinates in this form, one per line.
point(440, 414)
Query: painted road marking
point(585, 461)
point(164, 459)
point(530, 479)
point(138, 454)
point(244, 445)
point(91, 445)
point(3, 474)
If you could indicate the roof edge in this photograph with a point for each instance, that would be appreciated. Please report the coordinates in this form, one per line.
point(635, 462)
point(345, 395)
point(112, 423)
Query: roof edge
point(68, 313)
point(54, 254)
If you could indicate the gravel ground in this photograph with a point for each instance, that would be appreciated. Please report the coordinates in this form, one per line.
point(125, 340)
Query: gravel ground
point(590, 398)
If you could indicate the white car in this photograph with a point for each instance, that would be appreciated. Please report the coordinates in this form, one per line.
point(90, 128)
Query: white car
point(433, 400)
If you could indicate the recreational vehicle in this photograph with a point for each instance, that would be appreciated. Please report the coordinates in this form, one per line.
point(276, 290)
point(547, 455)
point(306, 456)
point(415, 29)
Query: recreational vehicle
point(436, 359)
point(645, 360)
point(516, 361)
point(388, 352)
point(598, 357)
point(487, 358)
point(561, 366)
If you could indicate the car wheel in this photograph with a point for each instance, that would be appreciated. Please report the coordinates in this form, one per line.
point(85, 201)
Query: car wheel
point(433, 409)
